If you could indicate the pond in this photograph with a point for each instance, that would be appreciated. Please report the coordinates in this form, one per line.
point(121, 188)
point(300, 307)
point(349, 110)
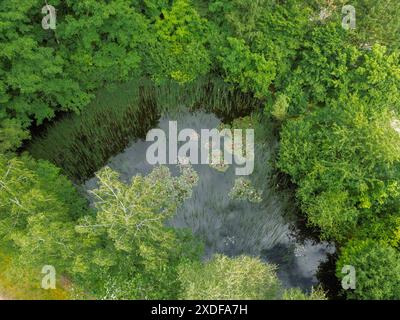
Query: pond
point(234, 227)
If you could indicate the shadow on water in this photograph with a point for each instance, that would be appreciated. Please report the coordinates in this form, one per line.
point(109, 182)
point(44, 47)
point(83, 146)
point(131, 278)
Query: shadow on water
point(234, 227)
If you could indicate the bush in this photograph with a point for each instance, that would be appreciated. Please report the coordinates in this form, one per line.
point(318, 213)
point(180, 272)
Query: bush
point(229, 278)
point(297, 294)
point(280, 108)
point(345, 159)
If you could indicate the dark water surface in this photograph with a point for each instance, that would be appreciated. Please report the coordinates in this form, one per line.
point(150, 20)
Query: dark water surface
point(234, 227)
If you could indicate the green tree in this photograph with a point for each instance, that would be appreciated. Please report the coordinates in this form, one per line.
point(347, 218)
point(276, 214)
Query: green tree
point(33, 81)
point(12, 134)
point(331, 69)
point(250, 71)
point(260, 37)
point(297, 294)
point(376, 21)
point(280, 108)
point(344, 158)
point(46, 71)
point(101, 41)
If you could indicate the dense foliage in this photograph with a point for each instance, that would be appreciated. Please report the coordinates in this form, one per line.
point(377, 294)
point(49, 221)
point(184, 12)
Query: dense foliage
point(344, 159)
point(129, 251)
point(339, 144)
point(377, 268)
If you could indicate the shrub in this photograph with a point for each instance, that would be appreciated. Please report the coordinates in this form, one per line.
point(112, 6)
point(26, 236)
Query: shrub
point(229, 278)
